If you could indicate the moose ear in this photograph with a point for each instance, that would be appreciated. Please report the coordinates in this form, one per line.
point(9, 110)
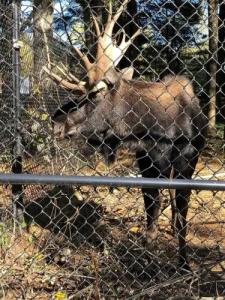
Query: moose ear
point(113, 76)
point(127, 73)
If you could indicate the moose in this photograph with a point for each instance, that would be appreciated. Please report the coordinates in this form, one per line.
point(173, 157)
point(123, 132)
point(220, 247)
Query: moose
point(161, 121)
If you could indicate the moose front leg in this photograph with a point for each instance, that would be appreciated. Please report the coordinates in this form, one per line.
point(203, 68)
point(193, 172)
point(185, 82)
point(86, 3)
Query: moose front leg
point(152, 208)
point(151, 196)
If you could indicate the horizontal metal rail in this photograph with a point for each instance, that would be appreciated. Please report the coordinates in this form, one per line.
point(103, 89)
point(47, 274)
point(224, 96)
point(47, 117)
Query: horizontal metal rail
point(112, 181)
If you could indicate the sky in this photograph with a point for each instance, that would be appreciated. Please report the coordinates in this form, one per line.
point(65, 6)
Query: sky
point(27, 9)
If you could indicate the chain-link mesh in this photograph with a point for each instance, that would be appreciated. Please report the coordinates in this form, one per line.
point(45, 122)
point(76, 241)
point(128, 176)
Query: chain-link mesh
point(123, 89)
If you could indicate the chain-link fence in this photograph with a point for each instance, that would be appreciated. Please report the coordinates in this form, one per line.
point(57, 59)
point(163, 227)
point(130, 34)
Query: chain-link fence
point(112, 149)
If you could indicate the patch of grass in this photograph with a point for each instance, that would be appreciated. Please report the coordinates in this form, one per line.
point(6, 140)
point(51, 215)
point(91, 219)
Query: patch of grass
point(220, 130)
point(4, 236)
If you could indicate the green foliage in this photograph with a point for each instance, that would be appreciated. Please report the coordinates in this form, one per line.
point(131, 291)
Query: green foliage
point(26, 55)
point(4, 237)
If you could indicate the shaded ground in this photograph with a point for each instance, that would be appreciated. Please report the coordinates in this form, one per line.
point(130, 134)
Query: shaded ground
point(89, 243)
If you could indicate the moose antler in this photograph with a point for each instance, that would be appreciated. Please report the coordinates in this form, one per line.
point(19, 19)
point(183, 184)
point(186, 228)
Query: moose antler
point(109, 53)
point(65, 83)
point(71, 82)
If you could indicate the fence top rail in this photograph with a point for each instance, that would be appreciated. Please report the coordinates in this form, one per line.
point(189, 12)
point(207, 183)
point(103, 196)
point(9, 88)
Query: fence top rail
point(112, 181)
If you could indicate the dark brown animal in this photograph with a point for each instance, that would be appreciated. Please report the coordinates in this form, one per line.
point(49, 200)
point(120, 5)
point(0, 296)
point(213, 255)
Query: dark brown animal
point(161, 121)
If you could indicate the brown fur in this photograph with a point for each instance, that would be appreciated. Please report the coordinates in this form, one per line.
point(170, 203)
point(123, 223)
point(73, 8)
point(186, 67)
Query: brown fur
point(168, 103)
point(165, 92)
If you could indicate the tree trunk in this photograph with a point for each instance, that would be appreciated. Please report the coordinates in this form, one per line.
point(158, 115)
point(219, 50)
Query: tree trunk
point(212, 63)
point(6, 68)
point(221, 60)
point(129, 21)
point(42, 30)
point(96, 7)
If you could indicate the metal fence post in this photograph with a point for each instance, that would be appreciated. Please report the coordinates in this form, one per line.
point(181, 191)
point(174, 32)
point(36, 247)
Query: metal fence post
point(17, 189)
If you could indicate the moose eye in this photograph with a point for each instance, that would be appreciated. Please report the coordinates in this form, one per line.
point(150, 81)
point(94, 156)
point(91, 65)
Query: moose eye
point(92, 94)
point(110, 85)
point(98, 88)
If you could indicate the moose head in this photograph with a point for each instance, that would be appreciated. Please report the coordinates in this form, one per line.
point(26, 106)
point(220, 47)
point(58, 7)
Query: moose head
point(102, 74)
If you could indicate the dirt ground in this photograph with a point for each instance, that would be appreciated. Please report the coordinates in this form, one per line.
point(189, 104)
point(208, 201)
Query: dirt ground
point(89, 243)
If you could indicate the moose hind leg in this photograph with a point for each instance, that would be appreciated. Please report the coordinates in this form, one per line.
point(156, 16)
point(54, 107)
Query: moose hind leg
point(182, 199)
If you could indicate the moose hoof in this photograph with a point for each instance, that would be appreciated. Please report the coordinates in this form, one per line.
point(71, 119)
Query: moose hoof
point(151, 234)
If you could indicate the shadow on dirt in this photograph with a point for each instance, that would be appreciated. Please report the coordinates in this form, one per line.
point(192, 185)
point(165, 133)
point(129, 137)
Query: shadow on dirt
point(60, 211)
point(123, 265)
